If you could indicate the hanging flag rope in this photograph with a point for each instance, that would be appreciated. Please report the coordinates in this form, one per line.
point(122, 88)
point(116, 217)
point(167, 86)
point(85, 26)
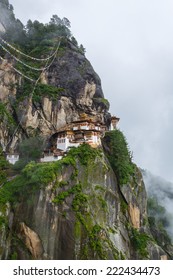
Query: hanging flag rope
point(26, 55)
point(32, 80)
point(26, 65)
point(20, 61)
point(16, 70)
point(47, 66)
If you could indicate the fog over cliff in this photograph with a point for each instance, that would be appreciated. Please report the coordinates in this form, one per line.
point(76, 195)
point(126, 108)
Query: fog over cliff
point(162, 190)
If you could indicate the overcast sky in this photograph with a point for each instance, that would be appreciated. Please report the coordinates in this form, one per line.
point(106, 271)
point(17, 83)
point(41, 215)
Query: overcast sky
point(130, 45)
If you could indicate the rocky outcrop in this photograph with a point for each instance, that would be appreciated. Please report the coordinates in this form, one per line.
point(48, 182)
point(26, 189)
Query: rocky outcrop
point(134, 215)
point(8, 79)
point(31, 241)
point(78, 90)
point(81, 214)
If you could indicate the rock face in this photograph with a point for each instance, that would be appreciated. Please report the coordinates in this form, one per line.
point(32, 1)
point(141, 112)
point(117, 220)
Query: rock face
point(31, 241)
point(80, 214)
point(79, 90)
point(74, 208)
point(134, 215)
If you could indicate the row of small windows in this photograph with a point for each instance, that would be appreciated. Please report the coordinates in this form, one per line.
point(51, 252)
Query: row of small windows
point(61, 140)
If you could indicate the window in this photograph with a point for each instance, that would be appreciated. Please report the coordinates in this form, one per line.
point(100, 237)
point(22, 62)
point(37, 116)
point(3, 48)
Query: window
point(61, 140)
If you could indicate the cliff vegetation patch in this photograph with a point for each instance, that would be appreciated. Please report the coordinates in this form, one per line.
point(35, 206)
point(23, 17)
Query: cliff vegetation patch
point(42, 90)
point(140, 241)
point(119, 155)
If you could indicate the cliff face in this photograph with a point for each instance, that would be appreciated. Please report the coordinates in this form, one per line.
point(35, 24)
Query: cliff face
point(92, 204)
point(78, 89)
point(74, 209)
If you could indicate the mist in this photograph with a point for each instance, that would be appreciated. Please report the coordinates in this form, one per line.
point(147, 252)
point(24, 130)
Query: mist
point(162, 191)
point(6, 12)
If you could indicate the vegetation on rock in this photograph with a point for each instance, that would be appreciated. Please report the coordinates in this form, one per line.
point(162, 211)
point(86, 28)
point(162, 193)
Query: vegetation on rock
point(5, 116)
point(102, 101)
point(140, 241)
point(120, 158)
point(4, 166)
point(30, 149)
point(35, 35)
point(34, 175)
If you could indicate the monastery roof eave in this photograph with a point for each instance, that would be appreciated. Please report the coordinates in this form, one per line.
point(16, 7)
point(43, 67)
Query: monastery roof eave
point(89, 121)
point(79, 130)
point(69, 128)
point(115, 118)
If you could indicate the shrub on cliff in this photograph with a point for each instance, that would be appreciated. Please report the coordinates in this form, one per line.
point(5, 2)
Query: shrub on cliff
point(120, 158)
point(4, 165)
point(84, 153)
point(30, 149)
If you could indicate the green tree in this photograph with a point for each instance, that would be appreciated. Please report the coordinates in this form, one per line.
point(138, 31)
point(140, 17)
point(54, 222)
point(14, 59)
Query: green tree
point(66, 22)
point(55, 20)
point(4, 165)
point(74, 41)
point(82, 49)
point(31, 148)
